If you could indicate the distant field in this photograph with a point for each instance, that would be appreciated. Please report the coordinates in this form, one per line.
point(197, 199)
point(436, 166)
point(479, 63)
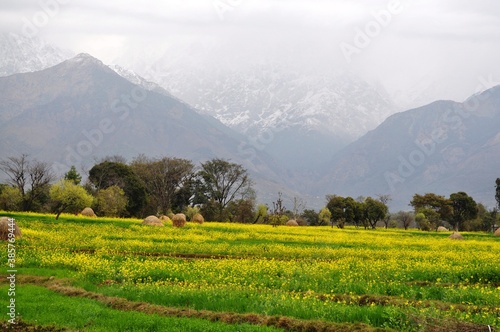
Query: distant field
point(116, 274)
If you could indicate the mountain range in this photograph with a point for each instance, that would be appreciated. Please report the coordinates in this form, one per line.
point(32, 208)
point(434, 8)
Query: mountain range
point(304, 135)
point(443, 147)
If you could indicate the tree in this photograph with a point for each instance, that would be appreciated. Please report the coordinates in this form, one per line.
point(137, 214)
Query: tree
point(464, 208)
point(497, 192)
point(298, 207)
point(405, 218)
point(223, 182)
point(10, 198)
point(422, 222)
point(375, 211)
point(260, 214)
point(312, 217)
point(69, 197)
point(111, 201)
point(278, 216)
point(30, 177)
point(324, 216)
point(164, 179)
point(107, 174)
point(73, 175)
point(436, 208)
point(336, 205)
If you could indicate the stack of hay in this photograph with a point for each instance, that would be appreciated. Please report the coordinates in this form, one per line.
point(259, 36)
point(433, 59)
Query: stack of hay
point(497, 232)
point(198, 218)
point(88, 212)
point(179, 220)
point(442, 229)
point(456, 236)
point(165, 218)
point(152, 221)
point(292, 222)
point(5, 229)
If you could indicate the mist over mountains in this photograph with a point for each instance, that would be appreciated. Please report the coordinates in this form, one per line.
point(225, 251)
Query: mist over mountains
point(304, 135)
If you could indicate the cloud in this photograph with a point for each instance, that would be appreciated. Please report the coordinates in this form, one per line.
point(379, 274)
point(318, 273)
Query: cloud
point(429, 40)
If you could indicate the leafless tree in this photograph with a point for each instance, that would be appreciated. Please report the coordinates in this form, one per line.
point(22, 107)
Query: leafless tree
point(31, 177)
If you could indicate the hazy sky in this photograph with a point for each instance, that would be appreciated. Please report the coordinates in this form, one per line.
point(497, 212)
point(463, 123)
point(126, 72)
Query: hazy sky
point(420, 49)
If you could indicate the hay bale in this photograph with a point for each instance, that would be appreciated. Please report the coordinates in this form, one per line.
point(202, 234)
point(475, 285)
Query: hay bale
point(442, 229)
point(198, 218)
point(456, 236)
point(4, 229)
point(292, 222)
point(152, 221)
point(165, 218)
point(497, 232)
point(179, 220)
point(88, 212)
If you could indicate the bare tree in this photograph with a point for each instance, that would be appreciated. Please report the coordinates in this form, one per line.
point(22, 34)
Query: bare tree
point(222, 181)
point(405, 218)
point(298, 206)
point(30, 177)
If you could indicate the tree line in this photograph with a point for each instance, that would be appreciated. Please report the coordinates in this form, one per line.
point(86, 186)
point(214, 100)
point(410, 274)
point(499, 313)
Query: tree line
point(220, 190)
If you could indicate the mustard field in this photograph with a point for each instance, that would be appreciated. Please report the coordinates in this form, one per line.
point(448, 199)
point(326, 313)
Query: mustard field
point(236, 277)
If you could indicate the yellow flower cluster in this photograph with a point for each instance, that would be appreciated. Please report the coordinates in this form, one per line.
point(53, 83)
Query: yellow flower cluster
point(309, 267)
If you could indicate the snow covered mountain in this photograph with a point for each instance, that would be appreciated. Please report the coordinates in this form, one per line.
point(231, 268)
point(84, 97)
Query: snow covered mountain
point(20, 54)
point(301, 118)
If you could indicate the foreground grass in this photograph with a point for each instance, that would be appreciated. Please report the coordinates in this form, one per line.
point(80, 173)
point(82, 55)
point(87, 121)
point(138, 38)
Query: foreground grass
point(41, 306)
point(403, 280)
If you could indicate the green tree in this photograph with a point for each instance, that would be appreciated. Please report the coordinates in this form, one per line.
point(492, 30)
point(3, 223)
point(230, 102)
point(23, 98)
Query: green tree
point(10, 198)
point(111, 201)
point(260, 214)
point(436, 208)
point(464, 208)
point(422, 222)
point(73, 175)
point(311, 217)
point(222, 182)
point(68, 197)
point(324, 216)
point(375, 211)
point(107, 174)
point(336, 205)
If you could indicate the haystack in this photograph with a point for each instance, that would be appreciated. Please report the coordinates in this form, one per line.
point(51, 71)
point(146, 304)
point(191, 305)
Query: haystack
point(5, 229)
point(179, 220)
point(292, 222)
point(497, 232)
point(88, 212)
point(456, 236)
point(442, 229)
point(198, 218)
point(165, 218)
point(152, 221)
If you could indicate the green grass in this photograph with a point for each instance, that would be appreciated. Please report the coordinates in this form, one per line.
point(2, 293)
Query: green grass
point(39, 306)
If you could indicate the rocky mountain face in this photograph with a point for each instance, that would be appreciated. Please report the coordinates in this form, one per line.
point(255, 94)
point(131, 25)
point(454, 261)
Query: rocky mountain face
point(443, 147)
point(80, 110)
point(19, 54)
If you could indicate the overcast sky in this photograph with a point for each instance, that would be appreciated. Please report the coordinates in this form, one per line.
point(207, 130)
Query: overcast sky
point(445, 48)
